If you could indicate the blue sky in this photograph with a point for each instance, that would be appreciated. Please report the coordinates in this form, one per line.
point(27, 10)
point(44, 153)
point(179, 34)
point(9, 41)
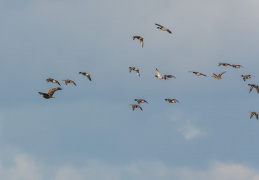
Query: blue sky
point(90, 131)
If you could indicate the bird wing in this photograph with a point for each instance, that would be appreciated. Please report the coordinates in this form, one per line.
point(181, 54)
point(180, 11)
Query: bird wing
point(251, 115)
point(140, 108)
point(158, 74)
point(141, 42)
point(256, 115)
point(221, 73)
point(52, 91)
point(159, 25)
point(42, 93)
point(89, 77)
point(58, 83)
point(73, 83)
point(130, 69)
point(133, 107)
point(169, 31)
point(138, 73)
point(251, 88)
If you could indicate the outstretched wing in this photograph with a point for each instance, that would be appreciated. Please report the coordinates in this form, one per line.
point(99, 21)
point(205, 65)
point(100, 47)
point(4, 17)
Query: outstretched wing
point(251, 88)
point(221, 73)
point(131, 68)
point(74, 83)
point(159, 25)
point(158, 74)
point(141, 42)
point(89, 77)
point(169, 31)
point(52, 91)
point(251, 115)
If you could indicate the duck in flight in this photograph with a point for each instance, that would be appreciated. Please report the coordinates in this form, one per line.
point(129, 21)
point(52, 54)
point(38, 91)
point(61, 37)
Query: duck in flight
point(140, 39)
point(141, 101)
point(69, 81)
point(135, 106)
point(53, 81)
point(253, 114)
point(253, 86)
point(218, 76)
point(162, 28)
point(197, 73)
point(172, 100)
point(49, 95)
point(134, 69)
point(86, 74)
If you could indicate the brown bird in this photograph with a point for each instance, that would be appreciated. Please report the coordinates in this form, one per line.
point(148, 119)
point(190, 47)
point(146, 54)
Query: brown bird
point(218, 76)
point(135, 106)
point(236, 66)
point(168, 76)
point(197, 73)
point(52, 80)
point(245, 77)
point(163, 28)
point(253, 86)
point(253, 114)
point(224, 64)
point(50, 93)
point(140, 39)
point(69, 81)
point(134, 69)
point(172, 100)
point(141, 101)
point(87, 75)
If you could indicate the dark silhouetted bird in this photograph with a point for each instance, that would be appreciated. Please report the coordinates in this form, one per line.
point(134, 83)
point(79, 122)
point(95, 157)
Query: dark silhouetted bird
point(197, 73)
point(253, 86)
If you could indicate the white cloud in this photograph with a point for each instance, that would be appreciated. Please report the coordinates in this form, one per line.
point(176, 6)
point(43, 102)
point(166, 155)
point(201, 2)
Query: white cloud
point(25, 168)
point(190, 132)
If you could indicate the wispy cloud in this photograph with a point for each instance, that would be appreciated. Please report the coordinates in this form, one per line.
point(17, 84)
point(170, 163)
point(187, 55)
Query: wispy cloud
point(26, 168)
point(189, 131)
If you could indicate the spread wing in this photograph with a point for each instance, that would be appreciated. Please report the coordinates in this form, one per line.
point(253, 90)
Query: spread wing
point(131, 68)
point(44, 94)
point(52, 91)
point(221, 73)
point(169, 31)
point(251, 115)
point(251, 88)
point(135, 37)
point(159, 25)
point(158, 74)
point(141, 42)
point(89, 77)
point(74, 83)
point(140, 108)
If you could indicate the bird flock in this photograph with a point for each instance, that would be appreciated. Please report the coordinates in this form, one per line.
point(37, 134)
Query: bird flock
point(51, 92)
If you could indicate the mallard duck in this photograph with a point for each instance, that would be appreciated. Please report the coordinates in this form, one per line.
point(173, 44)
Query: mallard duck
point(224, 64)
point(158, 74)
point(253, 86)
point(245, 77)
point(52, 80)
point(172, 100)
point(69, 81)
point(86, 74)
point(140, 39)
point(253, 113)
point(135, 106)
point(168, 76)
point(218, 76)
point(236, 66)
point(163, 28)
point(134, 69)
point(197, 73)
point(141, 101)
point(50, 93)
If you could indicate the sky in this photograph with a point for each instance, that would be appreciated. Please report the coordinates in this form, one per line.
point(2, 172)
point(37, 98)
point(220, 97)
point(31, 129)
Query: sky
point(89, 131)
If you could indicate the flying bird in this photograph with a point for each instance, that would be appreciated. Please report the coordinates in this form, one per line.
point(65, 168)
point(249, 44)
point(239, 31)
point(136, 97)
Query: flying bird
point(135, 106)
point(236, 66)
point(168, 76)
point(87, 75)
point(218, 76)
point(50, 93)
point(140, 39)
point(69, 81)
point(134, 69)
point(158, 74)
point(53, 81)
point(197, 73)
point(172, 100)
point(253, 114)
point(253, 86)
point(245, 77)
point(141, 101)
point(163, 28)
point(224, 64)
